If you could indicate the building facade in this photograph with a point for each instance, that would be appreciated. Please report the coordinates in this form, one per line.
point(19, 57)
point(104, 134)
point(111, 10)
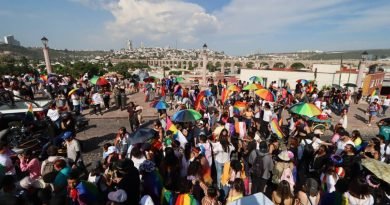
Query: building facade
point(10, 40)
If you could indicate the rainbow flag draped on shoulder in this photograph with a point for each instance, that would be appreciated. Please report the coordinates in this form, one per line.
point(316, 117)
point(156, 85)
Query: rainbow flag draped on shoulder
point(275, 128)
point(177, 135)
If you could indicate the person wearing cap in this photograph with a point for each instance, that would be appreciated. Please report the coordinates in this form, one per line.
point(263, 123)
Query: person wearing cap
point(283, 162)
point(259, 180)
point(127, 178)
point(117, 197)
point(73, 149)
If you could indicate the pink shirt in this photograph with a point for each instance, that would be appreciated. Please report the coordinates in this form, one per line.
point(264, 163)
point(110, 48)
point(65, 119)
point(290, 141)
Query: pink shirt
point(33, 167)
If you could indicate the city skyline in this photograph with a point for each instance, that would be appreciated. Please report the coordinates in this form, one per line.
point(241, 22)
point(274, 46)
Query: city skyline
point(237, 27)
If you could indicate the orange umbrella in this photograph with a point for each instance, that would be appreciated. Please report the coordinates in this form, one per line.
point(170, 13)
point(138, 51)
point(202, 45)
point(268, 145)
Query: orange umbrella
point(265, 95)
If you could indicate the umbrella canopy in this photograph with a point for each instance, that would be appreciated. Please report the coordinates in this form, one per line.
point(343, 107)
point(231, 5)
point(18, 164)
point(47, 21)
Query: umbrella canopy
point(234, 88)
point(206, 93)
point(141, 135)
point(378, 168)
point(180, 79)
point(265, 95)
point(303, 81)
point(255, 79)
point(338, 87)
point(307, 109)
point(352, 85)
point(43, 77)
point(72, 91)
point(187, 115)
point(96, 80)
point(161, 105)
point(253, 86)
point(258, 198)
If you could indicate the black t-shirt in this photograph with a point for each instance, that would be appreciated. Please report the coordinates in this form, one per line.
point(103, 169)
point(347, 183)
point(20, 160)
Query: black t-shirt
point(131, 185)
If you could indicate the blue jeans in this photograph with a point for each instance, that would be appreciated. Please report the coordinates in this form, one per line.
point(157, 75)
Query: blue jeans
point(219, 167)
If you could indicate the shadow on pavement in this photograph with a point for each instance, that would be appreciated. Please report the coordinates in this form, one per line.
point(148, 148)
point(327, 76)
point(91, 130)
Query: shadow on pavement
point(95, 143)
point(359, 117)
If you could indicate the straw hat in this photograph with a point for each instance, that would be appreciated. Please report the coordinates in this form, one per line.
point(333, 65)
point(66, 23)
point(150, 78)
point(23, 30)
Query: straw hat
point(284, 156)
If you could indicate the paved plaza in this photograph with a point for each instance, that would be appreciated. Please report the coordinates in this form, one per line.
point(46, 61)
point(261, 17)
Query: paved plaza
point(102, 129)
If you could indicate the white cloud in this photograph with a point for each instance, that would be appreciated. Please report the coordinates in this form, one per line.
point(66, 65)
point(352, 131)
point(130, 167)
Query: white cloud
point(160, 20)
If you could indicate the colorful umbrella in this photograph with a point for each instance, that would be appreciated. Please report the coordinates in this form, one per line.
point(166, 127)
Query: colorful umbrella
point(72, 91)
point(141, 135)
point(206, 93)
point(239, 107)
point(378, 168)
point(161, 105)
point(96, 80)
point(43, 77)
point(234, 88)
point(303, 81)
point(307, 109)
point(265, 95)
point(255, 79)
point(180, 79)
point(187, 115)
point(253, 86)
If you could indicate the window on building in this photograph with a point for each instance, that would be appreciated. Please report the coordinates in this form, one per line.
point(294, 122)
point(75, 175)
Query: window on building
point(282, 82)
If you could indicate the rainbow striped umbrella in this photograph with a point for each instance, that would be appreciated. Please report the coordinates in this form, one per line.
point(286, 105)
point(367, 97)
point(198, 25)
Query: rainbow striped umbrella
point(161, 105)
point(186, 115)
point(306, 109)
point(265, 95)
point(253, 86)
point(234, 88)
point(238, 107)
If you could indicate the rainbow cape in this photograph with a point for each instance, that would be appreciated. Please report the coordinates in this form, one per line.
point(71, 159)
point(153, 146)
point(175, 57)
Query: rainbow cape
point(186, 199)
point(177, 135)
point(275, 128)
point(198, 102)
point(225, 95)
point(238, 107)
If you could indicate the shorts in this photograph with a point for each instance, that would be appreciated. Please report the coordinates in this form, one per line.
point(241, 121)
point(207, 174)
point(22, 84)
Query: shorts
point(373, 113)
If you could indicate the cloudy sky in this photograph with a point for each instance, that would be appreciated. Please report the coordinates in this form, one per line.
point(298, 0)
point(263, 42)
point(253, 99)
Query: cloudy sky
point(238, 27)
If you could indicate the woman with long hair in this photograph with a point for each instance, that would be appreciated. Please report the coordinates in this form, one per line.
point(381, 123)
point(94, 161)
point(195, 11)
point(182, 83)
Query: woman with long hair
point(282, 195)
point(222, 150)
point(358, 192)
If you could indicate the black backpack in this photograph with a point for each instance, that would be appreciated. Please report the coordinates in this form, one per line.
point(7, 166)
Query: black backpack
point(258, 165)
point(308, 149)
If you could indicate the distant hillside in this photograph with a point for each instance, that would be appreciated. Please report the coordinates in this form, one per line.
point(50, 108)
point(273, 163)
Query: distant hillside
point(356, 54)
point(55, 55)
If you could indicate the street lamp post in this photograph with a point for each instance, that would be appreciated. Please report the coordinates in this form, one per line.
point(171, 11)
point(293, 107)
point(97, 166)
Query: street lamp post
point(204, 51)
point(361, 69)
point(46, 54)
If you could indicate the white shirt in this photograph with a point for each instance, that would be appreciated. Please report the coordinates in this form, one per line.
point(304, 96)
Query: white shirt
point(341, 145)
point(220, 155)
point(231, 111)
point(72, 148)
point(386, 102)
point(368, 200)
point(75, 99)
point(97, 99)
point(267, 115)
point(330, 182)
point(53, 114)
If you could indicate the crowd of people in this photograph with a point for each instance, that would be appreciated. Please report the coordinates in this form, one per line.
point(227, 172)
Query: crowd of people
point(231, 152)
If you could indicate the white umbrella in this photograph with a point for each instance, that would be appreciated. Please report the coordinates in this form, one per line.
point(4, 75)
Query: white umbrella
point(258, 198)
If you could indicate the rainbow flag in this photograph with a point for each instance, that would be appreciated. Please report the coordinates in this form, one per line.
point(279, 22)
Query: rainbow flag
point(177, 135)
point(275, 128)
point(198, 102)
point(240, 129)
point(29, 113)
point(225, 95)
point(186, 199)
point(374, 93)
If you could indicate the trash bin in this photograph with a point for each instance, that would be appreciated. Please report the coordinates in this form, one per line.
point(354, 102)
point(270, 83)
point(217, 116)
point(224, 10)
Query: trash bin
point(123, 101)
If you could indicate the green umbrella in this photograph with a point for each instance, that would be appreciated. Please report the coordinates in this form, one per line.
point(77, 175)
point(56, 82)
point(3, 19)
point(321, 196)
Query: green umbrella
point(306, 109)
point(94, 79)
point(180, 79)
point(352, 85)
point(255, 79)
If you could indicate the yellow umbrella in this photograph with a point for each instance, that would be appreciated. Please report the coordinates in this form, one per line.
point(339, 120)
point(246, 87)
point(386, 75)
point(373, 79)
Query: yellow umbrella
point(378, 168)
point(72, 91)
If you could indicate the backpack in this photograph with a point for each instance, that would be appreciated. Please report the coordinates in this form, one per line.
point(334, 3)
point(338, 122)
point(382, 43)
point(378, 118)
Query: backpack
point(288, 176)
point(258, 165)
point(48, 172)
point(308, 149)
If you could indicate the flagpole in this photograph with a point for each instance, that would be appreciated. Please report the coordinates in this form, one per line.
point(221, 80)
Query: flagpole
point(341, 66)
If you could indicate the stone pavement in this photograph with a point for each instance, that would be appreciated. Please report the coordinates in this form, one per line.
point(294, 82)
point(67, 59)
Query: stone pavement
point(102, 129)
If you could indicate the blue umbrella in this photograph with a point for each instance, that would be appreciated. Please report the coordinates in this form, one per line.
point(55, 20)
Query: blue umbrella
point(161, 105)
point(141, 135)
point(187, 115)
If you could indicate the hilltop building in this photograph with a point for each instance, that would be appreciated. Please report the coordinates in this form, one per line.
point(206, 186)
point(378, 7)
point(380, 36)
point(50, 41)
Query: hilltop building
point(10, 40)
